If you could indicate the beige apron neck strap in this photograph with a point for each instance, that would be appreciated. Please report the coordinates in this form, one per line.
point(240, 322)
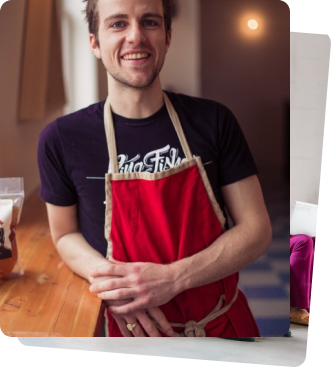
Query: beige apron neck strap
point(110, 134)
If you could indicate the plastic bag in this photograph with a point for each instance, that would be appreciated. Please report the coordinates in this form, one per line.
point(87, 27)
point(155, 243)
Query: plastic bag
point(11, 203)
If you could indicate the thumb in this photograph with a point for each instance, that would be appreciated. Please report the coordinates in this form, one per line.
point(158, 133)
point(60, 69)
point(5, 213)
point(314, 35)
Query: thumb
point(112, 260)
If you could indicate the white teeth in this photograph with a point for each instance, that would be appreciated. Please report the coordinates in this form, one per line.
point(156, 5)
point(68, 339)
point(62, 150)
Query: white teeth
point(135, 56)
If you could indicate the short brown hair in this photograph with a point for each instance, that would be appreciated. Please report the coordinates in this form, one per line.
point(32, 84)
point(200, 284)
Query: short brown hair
point(91, 16)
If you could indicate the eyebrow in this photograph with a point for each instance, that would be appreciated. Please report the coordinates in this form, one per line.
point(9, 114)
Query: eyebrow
point(125, 16)
point(115, 16)
point(152, 15)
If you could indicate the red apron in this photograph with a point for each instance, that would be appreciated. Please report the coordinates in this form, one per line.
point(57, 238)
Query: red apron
point(167, 216)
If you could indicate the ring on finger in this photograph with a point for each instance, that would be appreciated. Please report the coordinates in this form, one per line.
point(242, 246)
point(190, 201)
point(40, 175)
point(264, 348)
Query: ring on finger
point(131, 326)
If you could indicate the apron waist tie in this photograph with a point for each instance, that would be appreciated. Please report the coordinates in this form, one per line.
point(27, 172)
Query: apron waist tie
point(196, 329)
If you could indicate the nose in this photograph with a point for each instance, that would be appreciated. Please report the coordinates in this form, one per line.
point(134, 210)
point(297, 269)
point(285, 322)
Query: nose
point(135, 34)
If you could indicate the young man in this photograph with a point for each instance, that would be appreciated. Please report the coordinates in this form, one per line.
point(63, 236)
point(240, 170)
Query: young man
point(145, 295)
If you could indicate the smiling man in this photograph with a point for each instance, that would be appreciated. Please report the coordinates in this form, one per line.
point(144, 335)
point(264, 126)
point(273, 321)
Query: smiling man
point(132, 58)
point(169, 264)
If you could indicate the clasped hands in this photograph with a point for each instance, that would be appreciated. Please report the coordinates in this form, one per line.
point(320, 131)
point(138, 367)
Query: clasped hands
point(132, 293)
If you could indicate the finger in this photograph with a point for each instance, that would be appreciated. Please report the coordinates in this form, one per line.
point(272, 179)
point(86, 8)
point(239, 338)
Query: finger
point(129, 308)
point(160, 318)
point(109, 270)
point(123, 327)
point(109, 303)
point(107, 284)
point(96, 280)
point(137, 331)
point(147, 324)
point(119, 294)
point(111, 259)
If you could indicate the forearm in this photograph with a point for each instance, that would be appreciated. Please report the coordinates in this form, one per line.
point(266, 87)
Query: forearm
point(231, 252)
point(70, 243)
point(150, 284)
point(79, 255)
point(237, 247)
point(153, 285)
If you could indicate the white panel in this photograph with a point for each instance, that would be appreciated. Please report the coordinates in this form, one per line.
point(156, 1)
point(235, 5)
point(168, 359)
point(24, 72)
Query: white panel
point(303, 219)
point(309, 75)
point(323, 224)
point(80, 65)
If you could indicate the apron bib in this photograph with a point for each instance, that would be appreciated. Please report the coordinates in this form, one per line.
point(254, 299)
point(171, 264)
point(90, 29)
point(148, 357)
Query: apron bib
point(165, 217)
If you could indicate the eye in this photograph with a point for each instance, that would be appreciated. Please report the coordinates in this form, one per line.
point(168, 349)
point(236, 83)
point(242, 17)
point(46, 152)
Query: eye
point(150, 23)
point(117, 24)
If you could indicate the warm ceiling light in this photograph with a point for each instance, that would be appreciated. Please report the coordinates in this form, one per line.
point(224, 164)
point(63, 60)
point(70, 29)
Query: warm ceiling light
point(253, 24)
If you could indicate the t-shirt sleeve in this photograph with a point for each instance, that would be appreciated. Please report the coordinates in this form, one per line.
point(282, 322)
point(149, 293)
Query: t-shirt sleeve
point(56, 186)
point(235, 159)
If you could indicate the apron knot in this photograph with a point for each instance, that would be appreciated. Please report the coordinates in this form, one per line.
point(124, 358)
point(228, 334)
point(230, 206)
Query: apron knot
point(193, 329)
point(196, 329)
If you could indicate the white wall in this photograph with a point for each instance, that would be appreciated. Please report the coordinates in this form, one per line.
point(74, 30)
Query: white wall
point(181, 72)
point(309, 76)
point(80, 65)
point(18, 139)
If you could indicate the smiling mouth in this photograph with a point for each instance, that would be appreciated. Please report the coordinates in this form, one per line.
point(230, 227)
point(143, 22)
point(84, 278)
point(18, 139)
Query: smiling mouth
point(138, 56)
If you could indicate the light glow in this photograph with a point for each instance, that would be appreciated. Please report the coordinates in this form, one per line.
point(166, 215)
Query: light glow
point(253, 24)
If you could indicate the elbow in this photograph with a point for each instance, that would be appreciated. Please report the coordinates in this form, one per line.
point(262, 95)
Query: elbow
point(265, 236)
point(260, 229)
point(269, 236)
point(58, 239)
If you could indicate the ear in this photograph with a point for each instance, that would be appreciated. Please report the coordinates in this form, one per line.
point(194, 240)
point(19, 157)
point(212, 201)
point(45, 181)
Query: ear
point(168, 39)
point(94, 46)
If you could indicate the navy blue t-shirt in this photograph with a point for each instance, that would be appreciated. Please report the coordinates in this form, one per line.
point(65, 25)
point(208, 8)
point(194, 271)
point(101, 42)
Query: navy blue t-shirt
point(73, 156)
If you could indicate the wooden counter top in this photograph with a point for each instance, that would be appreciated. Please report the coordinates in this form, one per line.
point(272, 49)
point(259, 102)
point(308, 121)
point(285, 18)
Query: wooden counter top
point(49, 299)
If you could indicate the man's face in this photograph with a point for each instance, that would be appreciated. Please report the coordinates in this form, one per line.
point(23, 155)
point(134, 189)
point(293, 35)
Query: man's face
point(132, 40)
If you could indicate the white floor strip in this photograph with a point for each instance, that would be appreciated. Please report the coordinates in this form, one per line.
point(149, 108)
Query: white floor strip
point(279, 351)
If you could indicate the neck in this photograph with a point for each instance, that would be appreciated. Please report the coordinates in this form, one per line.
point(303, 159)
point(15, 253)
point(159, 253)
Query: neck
point(135, 103)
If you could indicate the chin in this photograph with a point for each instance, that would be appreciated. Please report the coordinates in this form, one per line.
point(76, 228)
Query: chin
point(137, 80)
point(139, 83)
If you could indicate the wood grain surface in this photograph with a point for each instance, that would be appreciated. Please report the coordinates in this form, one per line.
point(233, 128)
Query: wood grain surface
point(48, 299)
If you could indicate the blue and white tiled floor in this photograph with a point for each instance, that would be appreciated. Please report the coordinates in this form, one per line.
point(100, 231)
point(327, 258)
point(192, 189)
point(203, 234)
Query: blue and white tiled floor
point(266, 281)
